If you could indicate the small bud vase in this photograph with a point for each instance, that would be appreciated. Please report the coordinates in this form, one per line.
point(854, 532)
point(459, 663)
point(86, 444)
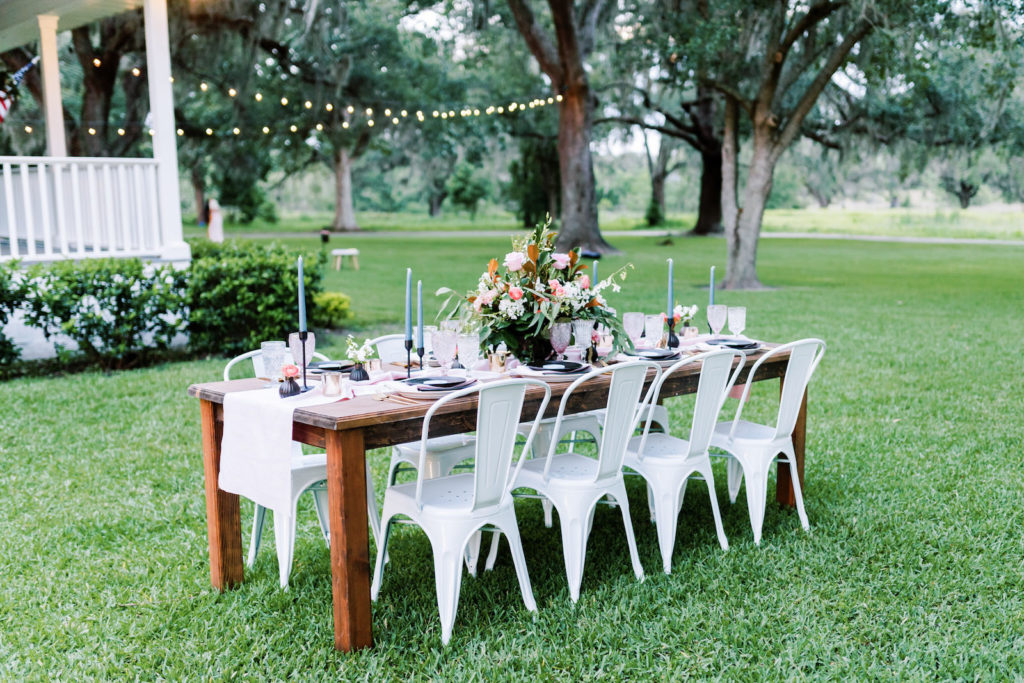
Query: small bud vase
point(359, 373)
point(289, 388)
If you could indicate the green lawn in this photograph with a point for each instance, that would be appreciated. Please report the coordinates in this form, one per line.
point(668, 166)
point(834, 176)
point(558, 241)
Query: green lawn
point(1004, 222)
point(913, 567)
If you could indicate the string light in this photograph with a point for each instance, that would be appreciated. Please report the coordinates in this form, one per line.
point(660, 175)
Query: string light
point(28, 129)
point(404, 113)
point(96, 62)
point(180, 132)
point(284, 101)
point(92, 131)
point(120, 131)
point(232, 92)
point(203, 87)
point(258, 96)
point(370, 123)
point(319, 126)
point(344, 124)
point(152, 132)
point(329, 107)
point(307, 104)
point(265, 130)
point(558, 98)
point(293, 128)
point(136, 71)
point(437, 113)
point(394, 120)
point(350, 109)
point(236, 130)
point(209, 131)
point(387, 112)
point(369, 111)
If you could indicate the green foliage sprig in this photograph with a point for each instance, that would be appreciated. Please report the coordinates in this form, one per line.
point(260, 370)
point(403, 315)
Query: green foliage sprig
point(12, 292)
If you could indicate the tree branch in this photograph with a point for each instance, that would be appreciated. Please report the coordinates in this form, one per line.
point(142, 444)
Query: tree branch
point(671, 132)
point(537, 39)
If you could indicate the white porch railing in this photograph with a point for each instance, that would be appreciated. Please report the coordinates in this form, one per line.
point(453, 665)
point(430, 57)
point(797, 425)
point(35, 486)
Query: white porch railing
point(54, 208)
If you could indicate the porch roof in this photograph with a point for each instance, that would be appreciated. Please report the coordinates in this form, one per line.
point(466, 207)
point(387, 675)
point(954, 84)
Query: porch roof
point(19, 25)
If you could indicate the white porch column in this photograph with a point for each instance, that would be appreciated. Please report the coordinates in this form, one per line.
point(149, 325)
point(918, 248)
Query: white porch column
point(165, 150)
point(53, 106)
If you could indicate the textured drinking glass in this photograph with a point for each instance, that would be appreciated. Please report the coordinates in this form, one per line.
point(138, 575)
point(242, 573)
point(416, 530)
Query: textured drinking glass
point(296, 347)
point(653, 327)
point(716, 317)
point(469, 350)
point(560, 334)
point(737, 319)
point(582, 330)
point(273, 355)
point(634, 325)
point(444, 342)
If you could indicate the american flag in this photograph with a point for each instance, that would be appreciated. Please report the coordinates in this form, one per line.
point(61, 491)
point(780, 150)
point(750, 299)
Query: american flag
point(7, 96)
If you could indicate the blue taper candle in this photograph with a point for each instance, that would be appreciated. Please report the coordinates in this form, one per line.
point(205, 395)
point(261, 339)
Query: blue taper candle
point(302, 299)
point(668, 313)
point(711, 289)
point(419, 314)
point(408, 304)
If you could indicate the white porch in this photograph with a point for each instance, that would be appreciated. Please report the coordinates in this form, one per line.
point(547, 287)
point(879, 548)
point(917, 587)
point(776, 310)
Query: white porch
point(57, 207)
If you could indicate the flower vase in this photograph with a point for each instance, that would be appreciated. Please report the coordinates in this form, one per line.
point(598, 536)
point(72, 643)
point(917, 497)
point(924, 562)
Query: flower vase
point(289, 388)
point(359, 373)
point(673, 340)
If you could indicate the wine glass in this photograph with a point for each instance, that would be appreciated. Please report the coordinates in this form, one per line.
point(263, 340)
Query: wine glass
point(654, 325)
point(272, 354)
point(583, 331)
point(560, 333)
point(634, 325)
point(295, 345)
point(737, 319)
point(468, 350)
point(716, 317)
point(443, 341)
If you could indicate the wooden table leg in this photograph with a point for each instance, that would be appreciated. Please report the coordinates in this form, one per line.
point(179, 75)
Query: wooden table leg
point(223, 519)
point(350, 544)
point(783, 485)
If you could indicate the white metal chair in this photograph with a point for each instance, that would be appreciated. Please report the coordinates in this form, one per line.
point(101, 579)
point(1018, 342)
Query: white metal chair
point(754, 447)
point(574, 483)
point(308, 473)
point(667, 462)
point(452, 510)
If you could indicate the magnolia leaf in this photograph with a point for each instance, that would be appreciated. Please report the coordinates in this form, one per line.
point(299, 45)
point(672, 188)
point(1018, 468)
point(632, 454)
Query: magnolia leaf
point(533, 251)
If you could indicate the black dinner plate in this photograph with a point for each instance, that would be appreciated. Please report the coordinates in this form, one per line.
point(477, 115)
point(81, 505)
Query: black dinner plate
point(321, 365)
point(654, 354)
point(735, 344)
point(566, 366)
point(438, 383)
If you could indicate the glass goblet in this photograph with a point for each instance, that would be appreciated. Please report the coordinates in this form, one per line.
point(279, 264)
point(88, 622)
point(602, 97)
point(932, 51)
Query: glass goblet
point(443, 342)
point(716, 317)
point(295, 345)
point(633, 323)
point(654, 325)
point(468, 350)
point(560, 333)
point(583, 331)
point(737, 319)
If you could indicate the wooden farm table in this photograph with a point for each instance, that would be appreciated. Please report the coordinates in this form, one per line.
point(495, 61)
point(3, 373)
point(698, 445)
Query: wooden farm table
point(346, 429)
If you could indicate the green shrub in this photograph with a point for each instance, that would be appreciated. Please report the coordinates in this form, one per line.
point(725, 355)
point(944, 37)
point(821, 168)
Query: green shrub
point(331, 309)
point(115, 310)
point(240, 294)
point(12, 291)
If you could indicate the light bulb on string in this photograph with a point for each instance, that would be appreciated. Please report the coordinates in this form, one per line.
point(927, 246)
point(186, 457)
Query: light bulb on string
point(203, 86)
point(501, 110)
point(266, 130)
point(370, 123)
point(236, 130)
point(387, 112)
point(319, 126)
point(92, 131)
point(258, 96)
point(96, 62)
point(293, 128)
point(180, 132)
point(329, 107)
point(558, 98)
point(120, 131)
point(344, 124)
point(437, 113)
point(444, 115)
point(28, 129)
point(284, 101)
point(232, 92)
point(209, 131)
point(394, 120)
point(307, 104)
point(350, 109)
point(369, 111)
point(136, 71)
point(404, 113)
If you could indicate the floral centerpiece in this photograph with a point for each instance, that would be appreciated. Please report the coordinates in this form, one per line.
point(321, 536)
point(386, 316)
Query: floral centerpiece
point(516, 302)
point(360, 354)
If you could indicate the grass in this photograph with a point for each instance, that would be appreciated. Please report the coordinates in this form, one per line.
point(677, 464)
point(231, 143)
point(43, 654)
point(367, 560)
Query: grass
point(912, 568)
point(998, 222)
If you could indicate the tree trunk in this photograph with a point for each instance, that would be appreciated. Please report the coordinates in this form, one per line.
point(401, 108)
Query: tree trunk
point(741, 266)
point(436, 199)
point(579, 226)
point(820, 197)
point(709, 213)
point(344, 211)
point(730, 153)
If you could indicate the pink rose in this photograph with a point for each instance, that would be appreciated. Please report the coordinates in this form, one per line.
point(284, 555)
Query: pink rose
point(487, 298)
point(514, 260)
point(585, 282)
point(515, 293)
point(561, 261)
point(290, 370)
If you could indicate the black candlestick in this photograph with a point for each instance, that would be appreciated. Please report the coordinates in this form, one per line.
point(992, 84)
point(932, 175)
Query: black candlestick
point(408, 358)
point(303, 336)
point(419, 352)
point(673, 340)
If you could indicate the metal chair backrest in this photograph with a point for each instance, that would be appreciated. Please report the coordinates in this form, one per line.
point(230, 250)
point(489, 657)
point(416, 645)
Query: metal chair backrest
point(804, 356)
point(500, 405)
point(390, 348)
point(256, 357)
point(622, 413)
point(717, 378)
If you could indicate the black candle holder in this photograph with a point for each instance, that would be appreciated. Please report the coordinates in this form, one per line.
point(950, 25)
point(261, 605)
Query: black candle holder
point(673, 340)
point(408, 358)
point(303, 336)
point(420, 351)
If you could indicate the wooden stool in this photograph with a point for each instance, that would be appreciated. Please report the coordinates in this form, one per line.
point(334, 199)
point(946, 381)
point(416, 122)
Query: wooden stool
point(340, 254)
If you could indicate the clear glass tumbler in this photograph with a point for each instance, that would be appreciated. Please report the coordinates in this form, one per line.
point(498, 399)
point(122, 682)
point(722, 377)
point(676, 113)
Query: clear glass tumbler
point(272, 356)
